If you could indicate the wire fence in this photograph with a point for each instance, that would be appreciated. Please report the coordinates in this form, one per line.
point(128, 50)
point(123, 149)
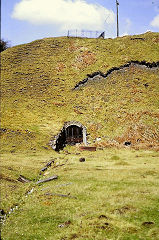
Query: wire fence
point(85, 34)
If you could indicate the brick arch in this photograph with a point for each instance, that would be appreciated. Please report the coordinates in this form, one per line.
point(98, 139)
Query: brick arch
point(64, 137)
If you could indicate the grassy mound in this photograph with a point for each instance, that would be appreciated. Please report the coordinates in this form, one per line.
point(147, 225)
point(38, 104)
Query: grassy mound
point(114, 193)
point(37, 91)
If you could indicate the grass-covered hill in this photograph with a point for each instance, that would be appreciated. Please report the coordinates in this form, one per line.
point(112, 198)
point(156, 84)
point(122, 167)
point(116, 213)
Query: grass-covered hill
point(38, 96)
point(111, 86)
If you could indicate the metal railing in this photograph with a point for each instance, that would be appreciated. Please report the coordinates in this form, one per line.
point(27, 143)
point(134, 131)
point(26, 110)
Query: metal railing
point(85, 33)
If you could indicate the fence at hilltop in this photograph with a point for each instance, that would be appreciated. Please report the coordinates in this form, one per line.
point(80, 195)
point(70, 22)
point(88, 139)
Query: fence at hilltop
point(85, 33)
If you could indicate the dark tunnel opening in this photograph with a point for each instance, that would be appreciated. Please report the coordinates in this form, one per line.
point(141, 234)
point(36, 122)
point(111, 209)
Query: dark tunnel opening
point(74, 135)
point(73, 132)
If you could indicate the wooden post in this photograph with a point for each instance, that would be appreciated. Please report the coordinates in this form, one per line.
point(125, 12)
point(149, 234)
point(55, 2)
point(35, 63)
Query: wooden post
point(117, 4)
point(84, 136)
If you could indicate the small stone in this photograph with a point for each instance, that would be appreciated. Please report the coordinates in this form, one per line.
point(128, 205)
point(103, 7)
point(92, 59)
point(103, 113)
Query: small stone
point(61, 225)
point(2, 212)
point(146, 85)
point(127, 143)
point(147, 223)
point(82, 160)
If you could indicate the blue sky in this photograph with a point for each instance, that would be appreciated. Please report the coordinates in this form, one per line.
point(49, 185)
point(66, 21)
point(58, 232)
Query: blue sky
point(23, 21)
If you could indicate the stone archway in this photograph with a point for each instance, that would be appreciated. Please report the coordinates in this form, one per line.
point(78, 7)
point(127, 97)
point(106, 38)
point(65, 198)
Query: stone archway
point(76, 131)
point(72, 132)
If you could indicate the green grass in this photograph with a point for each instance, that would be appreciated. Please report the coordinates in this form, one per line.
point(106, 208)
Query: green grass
point(115, 192)
point(110, 200)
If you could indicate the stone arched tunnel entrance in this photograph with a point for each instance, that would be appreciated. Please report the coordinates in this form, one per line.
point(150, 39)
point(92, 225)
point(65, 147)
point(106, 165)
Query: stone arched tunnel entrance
point(72, 132)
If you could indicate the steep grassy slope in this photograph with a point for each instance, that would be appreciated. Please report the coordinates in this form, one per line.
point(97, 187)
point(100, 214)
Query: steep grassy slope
point(37, 95)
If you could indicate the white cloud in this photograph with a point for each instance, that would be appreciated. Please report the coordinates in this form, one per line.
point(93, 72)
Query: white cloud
point(127, 27)
point(155, 22)
point(128, 24)
point(124, 34)
point(67, 14)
